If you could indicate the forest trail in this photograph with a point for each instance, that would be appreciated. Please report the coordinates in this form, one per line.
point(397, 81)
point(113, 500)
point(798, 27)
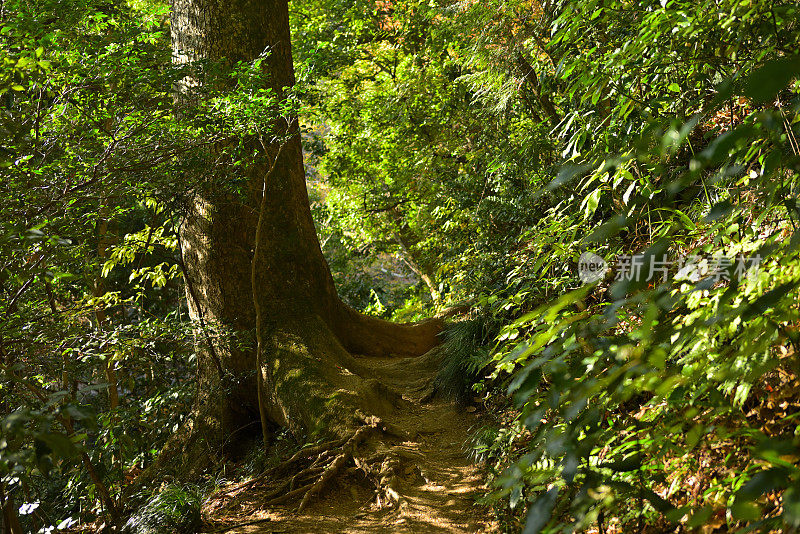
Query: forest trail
point(438, 489)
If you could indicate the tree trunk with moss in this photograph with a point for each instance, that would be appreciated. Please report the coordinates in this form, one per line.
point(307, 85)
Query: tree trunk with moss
point(311, 382)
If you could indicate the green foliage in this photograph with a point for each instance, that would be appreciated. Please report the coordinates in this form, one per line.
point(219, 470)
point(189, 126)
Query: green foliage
point(415, 168)
point(465, 350)
point(503, 139)
point(619, 385)
point(459, 151)
point(173, 509)
point(93, 306)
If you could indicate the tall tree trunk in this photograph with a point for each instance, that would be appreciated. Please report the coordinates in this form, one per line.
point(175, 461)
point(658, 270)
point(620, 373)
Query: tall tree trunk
point(307, 333)
point(408, 240)
point(532, 80)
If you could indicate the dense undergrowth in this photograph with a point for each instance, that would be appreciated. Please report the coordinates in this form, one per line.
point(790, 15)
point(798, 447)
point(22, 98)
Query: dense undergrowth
point(661, 137)
point(668, 398)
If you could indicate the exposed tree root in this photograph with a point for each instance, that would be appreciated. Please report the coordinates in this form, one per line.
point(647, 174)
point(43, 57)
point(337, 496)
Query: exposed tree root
point(308, 472)
point(335, 467)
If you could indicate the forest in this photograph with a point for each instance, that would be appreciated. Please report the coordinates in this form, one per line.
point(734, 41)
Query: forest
point(414, 266)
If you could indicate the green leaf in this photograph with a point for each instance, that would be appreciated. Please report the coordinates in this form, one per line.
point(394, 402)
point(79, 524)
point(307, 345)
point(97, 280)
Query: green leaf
point(699, 517)
point(566, 174)
point(607, 230)
point(540, 511)
point(623, 465)
point(79, 413)
point(525, 384)
point(767, 300)
point(108, 266)
point(791, 506)
point(719, 210)
point(687, 222)
point(744, 507)
point(59, 444)
point(591, 202)
point(745, 510)
point(658, 502)
point(676, 514)
point(766, 82)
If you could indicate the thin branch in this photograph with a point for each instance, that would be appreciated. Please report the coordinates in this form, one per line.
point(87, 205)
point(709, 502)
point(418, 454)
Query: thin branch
point(24, 288)
point(388, 208)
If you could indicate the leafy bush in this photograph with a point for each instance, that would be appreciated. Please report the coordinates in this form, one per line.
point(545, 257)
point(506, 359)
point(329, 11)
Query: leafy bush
point(635, 397)
point(465, 350)
point(174, 509)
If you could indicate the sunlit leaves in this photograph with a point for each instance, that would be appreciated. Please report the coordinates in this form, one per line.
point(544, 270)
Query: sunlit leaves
point(670, 365)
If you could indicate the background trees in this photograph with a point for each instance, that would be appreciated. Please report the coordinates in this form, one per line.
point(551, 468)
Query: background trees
point(539, 131)
point(90, 358)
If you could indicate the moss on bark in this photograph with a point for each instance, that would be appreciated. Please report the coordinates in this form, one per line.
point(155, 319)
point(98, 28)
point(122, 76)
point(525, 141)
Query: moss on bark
point(312, 384)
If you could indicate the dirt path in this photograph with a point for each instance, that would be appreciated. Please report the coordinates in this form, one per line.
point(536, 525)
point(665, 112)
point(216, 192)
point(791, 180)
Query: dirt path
point(438, 487)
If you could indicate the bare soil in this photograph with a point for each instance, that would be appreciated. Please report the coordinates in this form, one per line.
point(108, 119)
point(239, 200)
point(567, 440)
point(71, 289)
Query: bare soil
point(435, 484)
